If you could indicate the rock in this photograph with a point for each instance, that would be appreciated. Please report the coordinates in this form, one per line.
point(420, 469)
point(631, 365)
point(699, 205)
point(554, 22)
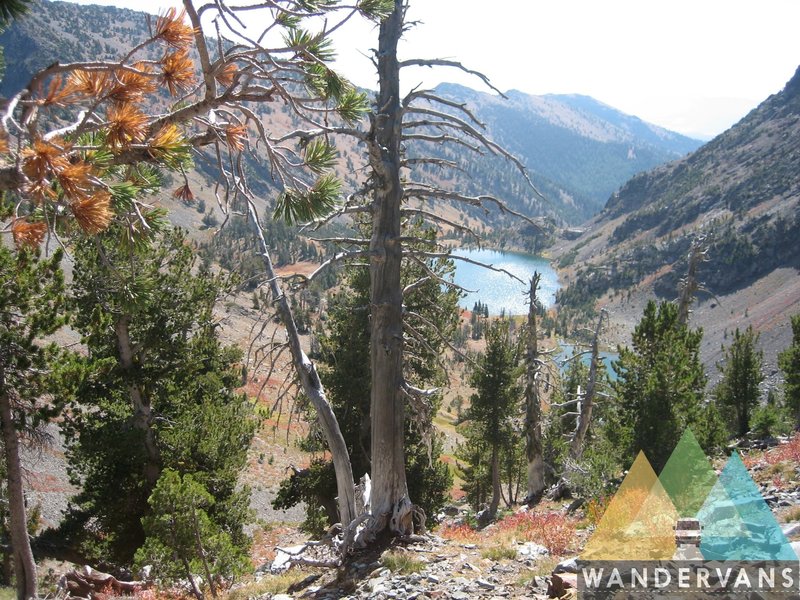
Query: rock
point(377, 585)
point(485, 584)
point(87, 581)
point(459, 596)
point(569, 565)
point(530, 550)
point(791, 529)
point(281, 597)
point(575, 505)
point(561, 583)
point(451, 510)
point(483, 517)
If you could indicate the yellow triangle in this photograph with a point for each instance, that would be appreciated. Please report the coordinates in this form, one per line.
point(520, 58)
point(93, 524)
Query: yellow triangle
point(651, 535)
point(638, 522)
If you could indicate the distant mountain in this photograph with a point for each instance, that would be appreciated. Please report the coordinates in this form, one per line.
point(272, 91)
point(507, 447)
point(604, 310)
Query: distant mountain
point(740, 193)
point(577, 150)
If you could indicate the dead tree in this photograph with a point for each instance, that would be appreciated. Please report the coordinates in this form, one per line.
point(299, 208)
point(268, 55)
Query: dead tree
point(533, 403)
point(311, 385)
point(398, 123)
point(586, 402)
point(689, 285)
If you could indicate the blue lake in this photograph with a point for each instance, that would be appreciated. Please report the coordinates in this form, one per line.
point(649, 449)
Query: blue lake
point(497, 290)
point(567, 350)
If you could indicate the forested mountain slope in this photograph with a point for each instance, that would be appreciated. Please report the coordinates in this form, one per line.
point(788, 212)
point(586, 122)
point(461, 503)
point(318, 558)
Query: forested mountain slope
point(739, 193)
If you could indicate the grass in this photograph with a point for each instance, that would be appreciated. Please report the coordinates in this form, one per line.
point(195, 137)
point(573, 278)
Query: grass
point(402, 562)
point(499, 553)
point(270, 584)
point(8, 593)
point(792, 514)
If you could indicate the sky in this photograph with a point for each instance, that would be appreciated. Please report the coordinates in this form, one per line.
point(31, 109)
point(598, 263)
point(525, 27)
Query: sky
point(691, 66)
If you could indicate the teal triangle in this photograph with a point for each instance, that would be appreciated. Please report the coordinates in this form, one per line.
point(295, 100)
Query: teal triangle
point(722, 525)
point(737, 523)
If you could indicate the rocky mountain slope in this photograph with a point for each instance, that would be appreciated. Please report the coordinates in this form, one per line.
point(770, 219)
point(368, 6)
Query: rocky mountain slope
point(577, 150)
point(739, 193)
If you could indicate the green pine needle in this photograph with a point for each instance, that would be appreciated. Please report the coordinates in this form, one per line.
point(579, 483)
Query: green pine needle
point(124, 194)
point(326, 83)
point(294, 206)
point(320, 156)
point(312, 6)
point(352, 105)
point(314, 45)
point(12, 9)
point(288, 20)
point(377, 10)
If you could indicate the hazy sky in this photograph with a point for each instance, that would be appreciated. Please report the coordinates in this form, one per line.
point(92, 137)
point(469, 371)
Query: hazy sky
point(693, 66)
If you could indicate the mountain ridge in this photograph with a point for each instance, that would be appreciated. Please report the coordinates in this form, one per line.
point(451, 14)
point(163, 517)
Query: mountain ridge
point(740, 195)
point(566, 143)
point(577, 166)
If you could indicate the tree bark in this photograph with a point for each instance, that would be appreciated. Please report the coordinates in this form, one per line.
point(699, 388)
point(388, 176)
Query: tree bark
point(312, 387)
point(389, 487)
point(689, 285)
point(142, 411)
point(496, 490)
point(533, 407)
point(24, 565)
point(202, 553)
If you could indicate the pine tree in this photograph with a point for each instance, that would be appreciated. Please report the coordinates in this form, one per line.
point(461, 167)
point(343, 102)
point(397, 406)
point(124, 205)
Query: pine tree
point(183, 541)
point(742, 373)
point(154, 391)
point(495, 402)
point(31, 307)
point(789, 362)
point(660, 384)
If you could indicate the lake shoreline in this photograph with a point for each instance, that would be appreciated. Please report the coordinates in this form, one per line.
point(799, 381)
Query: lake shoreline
point(497, 288)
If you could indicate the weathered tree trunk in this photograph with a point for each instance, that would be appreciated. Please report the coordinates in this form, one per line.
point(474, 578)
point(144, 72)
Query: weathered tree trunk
point(312, 386)
point(585, 413)
point(201, 552)
point(495, 502)
point(24, 565)
point(389, 490)
point(142, 410)
point(689, 285)
point(533, 407)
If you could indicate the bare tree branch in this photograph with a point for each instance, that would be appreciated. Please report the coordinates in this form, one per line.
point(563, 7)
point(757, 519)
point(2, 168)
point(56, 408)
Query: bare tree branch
point(440, 62)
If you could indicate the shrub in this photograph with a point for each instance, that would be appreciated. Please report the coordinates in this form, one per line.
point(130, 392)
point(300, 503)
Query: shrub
point(552, 530)
point(770, 420)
